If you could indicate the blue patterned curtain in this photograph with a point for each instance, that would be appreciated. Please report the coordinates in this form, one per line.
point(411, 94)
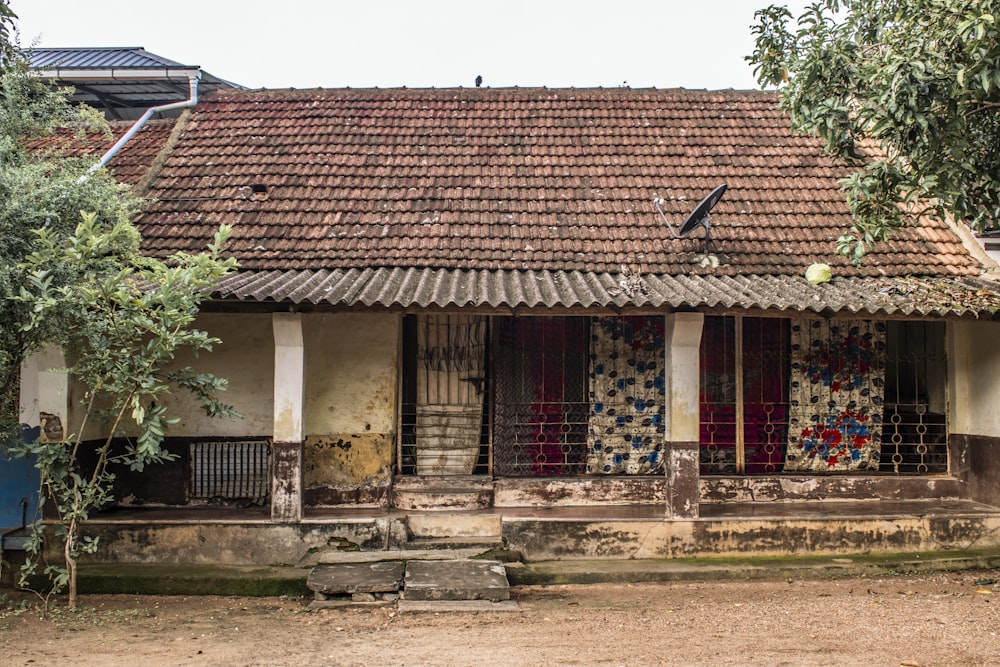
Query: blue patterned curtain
point(835, 398)
point(627, 396)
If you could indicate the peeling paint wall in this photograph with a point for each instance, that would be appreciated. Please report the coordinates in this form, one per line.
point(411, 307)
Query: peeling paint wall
point(351, 379)
point(351, 469)
point(826, 488)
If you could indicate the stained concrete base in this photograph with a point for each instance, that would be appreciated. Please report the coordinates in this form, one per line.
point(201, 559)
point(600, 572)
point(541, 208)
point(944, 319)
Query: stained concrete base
point(161, 579)
point(728, 530)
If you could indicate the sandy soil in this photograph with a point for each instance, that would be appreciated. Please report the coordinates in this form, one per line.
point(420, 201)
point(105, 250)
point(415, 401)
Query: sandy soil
point(940, 619)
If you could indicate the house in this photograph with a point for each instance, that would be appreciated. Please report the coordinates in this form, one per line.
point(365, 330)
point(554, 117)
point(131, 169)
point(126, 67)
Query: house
point(460, 313)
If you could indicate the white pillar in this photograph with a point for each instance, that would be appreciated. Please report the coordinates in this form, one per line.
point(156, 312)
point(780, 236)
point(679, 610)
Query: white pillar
point(289, 427)
point(682, 342)
point(45, 394)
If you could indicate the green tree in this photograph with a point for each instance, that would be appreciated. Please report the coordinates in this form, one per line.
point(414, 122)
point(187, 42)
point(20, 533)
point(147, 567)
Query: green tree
point(906, 90)
point(122, 321)
point(39, 190)
point(7, 26)
point(71, 275)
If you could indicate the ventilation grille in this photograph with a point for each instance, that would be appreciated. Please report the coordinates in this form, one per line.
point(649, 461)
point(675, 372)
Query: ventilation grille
point(231, 470)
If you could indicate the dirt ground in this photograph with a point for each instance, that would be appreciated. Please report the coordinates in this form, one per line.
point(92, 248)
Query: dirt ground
point(939, 619)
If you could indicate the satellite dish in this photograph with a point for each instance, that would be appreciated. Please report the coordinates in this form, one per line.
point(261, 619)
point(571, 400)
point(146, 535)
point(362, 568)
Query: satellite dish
point(697, 218)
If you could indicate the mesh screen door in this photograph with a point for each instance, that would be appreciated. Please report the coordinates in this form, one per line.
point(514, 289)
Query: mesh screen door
point(744, 394)
point(540, 417)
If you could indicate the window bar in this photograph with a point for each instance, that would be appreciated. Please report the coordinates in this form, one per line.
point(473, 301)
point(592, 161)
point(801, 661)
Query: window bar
point(741, 462)
point(489, 393)
point(921, 447)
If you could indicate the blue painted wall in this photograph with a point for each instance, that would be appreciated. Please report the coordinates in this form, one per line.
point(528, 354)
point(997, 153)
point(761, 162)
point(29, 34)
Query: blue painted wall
point(18, 479)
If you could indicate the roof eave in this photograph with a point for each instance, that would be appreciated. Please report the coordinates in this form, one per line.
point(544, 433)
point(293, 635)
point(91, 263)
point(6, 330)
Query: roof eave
point(121, 74)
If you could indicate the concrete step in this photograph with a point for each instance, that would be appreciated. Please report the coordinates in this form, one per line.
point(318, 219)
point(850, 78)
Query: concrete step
point(455, 524)
point(451, 544)
point(442, 493)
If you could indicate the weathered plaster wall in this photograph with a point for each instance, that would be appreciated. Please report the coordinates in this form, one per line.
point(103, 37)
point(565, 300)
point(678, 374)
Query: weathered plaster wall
point(350, 410)
point(45, 397)
point(245, 358)
point(976, 462)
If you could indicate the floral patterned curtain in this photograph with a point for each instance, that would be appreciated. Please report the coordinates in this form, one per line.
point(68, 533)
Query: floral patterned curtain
point(835, 398)
point(627, 396)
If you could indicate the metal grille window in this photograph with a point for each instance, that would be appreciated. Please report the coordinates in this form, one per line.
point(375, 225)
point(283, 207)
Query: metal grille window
point(231, 470)
point(542, 406)
point(744, 394)
point(914, 426)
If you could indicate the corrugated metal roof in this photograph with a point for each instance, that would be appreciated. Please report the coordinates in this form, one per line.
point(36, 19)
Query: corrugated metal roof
point(122, 81)
point(133, 57)
point(442, 288)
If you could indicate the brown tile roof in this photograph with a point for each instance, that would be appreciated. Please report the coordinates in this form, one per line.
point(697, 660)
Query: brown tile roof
point(134, 160)
point(513, 180)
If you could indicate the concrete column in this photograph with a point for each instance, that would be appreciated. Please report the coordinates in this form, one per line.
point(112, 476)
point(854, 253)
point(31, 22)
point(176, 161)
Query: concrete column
point(289, 427)
point(45, 394)
point(682, 342)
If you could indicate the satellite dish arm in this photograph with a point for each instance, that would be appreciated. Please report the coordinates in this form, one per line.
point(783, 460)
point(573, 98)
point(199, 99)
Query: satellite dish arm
point(657, 202)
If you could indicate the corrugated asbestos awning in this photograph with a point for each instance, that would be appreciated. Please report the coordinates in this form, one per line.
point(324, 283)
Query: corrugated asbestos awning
point(440, 288)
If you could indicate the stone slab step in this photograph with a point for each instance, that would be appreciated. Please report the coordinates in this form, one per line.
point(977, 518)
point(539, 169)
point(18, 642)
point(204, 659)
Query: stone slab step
point(356, 578)
point(430, 482)
point(378, 582)
point(452, 524)
point(456, 580)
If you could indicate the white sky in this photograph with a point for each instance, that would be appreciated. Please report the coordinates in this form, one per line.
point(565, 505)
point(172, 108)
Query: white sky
point(419, 43)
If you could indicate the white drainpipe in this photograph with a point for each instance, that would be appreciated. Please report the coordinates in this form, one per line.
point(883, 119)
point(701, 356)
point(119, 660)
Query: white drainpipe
point(111, 152)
